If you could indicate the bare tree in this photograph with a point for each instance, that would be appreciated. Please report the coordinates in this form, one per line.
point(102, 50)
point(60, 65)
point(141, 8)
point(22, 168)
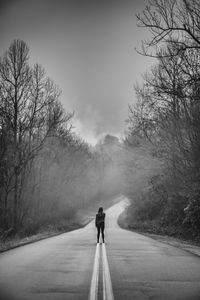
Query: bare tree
point(172, 22)
point(167, 113)
point(30, 104)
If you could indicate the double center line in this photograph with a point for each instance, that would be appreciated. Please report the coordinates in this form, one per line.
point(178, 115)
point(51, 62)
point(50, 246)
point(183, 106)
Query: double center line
point(101, 257)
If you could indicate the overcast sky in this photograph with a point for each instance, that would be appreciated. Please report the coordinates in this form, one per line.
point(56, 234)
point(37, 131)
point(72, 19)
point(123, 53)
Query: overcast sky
point(87, 48)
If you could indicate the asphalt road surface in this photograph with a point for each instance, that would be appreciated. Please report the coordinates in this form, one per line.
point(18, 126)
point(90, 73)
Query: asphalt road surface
point(71, 266)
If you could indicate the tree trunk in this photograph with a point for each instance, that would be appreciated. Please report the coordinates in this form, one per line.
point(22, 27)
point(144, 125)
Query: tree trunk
point(15, 200)
point(5, 216)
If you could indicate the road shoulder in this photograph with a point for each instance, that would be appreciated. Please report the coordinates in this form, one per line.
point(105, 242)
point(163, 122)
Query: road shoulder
point(189, 246)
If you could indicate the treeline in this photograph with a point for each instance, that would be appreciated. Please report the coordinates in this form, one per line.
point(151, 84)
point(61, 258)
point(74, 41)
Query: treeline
point(167, 117)
point(46, 171)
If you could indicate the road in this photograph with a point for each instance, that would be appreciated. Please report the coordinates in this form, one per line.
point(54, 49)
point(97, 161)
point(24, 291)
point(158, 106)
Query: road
point(62, 267)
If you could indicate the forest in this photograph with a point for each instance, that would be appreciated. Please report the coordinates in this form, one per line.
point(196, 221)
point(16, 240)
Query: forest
point(48, 173)
point(166, 118)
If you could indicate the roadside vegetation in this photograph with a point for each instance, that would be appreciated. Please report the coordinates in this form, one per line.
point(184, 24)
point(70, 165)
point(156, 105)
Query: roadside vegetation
point(47, 173)
point(166, 120)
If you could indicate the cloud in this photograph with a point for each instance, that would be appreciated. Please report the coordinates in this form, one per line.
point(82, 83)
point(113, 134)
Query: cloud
point(86, 128)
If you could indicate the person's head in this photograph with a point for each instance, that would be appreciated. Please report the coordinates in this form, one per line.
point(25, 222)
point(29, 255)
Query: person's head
point(100, 210)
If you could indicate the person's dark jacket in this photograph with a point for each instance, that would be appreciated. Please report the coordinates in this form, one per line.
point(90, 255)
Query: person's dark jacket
point(100, 219)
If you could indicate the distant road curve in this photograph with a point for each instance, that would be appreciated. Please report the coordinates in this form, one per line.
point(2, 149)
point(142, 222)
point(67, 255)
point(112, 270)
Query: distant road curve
point(62, 267)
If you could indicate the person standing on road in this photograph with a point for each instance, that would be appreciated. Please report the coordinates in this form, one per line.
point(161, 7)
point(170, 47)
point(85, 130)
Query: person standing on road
point(100, 223)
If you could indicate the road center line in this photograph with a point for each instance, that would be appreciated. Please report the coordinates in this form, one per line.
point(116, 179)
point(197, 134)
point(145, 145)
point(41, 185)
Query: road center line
point(93, 295)
point(107, 284)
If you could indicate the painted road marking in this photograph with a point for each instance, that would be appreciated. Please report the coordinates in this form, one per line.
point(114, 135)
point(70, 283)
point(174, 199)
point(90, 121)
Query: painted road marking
point(107, 284)
point(93, 295)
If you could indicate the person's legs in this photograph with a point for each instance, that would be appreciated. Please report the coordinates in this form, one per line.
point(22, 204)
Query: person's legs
point(102, 231)
point(98, 233)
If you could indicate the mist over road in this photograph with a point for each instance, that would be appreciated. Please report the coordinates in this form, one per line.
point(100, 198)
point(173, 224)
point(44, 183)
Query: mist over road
point(61, 267)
